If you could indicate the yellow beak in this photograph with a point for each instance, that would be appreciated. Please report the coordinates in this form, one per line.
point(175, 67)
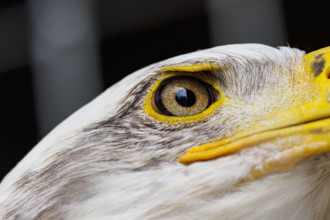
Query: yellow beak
point(309, 122)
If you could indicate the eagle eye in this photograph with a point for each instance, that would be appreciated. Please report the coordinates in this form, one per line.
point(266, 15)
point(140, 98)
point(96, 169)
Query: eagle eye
point(183, 96)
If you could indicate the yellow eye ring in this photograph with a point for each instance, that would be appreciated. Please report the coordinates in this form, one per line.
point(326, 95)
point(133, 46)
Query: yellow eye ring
point(149, 107)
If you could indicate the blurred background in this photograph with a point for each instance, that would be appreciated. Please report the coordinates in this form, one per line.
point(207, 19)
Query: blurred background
point(55, 56)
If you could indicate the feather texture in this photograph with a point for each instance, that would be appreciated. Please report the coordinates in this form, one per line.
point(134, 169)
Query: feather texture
point(110, 160)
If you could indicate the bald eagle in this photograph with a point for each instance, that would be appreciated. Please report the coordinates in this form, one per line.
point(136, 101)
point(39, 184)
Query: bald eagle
point(232, 132)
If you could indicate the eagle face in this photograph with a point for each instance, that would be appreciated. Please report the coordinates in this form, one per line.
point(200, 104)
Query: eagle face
point(232, 132)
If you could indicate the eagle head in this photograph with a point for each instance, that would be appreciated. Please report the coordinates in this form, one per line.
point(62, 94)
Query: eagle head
point(232, 132)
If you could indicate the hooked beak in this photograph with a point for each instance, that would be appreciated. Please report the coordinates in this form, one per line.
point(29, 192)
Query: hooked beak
point(310, 122)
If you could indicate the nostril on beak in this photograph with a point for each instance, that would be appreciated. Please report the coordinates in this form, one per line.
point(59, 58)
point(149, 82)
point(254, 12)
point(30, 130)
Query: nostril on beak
point(318, 65)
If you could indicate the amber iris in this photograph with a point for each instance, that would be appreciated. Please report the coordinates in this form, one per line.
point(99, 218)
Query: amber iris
point(183, 96)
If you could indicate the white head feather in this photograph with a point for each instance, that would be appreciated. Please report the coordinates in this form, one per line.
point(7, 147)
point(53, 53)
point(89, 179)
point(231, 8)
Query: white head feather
point(126, 188)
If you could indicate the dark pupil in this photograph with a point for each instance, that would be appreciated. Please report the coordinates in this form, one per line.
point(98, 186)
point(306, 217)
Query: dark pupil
point(185, 97)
